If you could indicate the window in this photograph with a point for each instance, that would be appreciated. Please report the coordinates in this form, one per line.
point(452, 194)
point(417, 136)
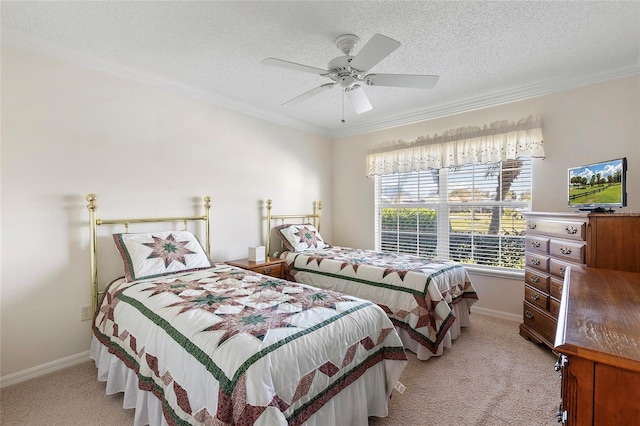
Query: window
point(471, 214)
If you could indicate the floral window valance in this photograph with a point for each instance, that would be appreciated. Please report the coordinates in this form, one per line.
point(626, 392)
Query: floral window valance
point(501, 140)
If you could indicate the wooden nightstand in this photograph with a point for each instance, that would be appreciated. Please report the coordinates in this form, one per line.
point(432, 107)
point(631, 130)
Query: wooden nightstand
point(273, 267)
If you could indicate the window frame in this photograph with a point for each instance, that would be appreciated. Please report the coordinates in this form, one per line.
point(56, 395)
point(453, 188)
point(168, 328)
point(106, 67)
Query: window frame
point(444, 205)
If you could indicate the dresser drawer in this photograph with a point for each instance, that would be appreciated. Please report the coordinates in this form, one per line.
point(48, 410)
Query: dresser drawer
point(562, 228)
point(536, 244)
point(540, 321)
point(537, 280)
point(573, 251)
point(555, 288)
point(536, 297)
point(276, 270)
point(537, 261)
point(557, 268)
point(554, 308)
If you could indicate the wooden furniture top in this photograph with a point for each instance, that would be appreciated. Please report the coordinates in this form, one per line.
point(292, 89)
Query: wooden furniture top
point(620, 214)
point(248, 264)
point(576, 215)
point(600, 317)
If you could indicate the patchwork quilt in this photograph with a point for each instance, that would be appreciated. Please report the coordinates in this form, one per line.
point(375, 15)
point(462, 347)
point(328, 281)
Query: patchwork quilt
point(228, 346)
point(416, 293)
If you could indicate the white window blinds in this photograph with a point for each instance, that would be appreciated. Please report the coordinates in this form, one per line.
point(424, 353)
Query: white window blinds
point(471, 214)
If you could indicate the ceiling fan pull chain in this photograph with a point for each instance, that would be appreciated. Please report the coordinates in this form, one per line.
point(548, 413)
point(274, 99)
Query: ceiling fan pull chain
point(343, 105)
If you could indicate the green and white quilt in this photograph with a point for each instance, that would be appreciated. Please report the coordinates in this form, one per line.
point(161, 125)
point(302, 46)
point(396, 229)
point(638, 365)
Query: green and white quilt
point(228, 346)
point(418, 294)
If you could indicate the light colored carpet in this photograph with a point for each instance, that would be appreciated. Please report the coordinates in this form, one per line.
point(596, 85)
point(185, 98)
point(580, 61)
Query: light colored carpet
point(491, 376)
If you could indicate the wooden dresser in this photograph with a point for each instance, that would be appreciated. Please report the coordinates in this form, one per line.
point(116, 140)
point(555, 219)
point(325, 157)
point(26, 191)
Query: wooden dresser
point(553, 241)
point(598, 337)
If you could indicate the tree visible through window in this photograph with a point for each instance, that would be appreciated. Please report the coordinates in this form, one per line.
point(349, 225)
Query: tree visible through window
point(471, 214)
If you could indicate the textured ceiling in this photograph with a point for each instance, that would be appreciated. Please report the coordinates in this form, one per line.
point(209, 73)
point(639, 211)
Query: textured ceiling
point(485, 53)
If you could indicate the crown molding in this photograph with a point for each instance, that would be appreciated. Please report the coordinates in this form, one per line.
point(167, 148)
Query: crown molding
point(494, 99)
point(34, 44)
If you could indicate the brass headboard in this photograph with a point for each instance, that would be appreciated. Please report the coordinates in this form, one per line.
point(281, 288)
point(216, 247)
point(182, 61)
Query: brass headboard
point(315, 216)
point(94, 222)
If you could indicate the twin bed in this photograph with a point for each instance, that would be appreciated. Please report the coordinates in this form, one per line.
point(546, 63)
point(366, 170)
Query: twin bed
point(191, 341)
point(428, 300)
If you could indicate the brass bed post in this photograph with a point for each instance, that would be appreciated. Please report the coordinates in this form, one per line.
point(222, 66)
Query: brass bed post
point(92, 206)
point(317, 207)
point(268, 242)
point(207, 207)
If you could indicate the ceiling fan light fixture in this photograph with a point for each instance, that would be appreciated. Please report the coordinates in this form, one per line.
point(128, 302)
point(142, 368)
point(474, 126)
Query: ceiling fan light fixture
point(358, 99)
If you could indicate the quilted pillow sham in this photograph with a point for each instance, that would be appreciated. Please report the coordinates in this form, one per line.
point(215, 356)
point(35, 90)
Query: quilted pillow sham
point(299, 238)
point(148, 255)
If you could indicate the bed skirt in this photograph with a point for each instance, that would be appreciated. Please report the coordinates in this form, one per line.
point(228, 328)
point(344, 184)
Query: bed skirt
point(461, 312)
point(338, 410)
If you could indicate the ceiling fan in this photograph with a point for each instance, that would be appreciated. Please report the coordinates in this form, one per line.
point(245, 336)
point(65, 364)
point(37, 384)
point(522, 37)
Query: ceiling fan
point(351, 71)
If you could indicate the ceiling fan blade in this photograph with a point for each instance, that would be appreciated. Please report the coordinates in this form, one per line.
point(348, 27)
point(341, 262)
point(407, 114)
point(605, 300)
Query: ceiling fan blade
point(402, 80)
point(293, 66)
point(359, 100)
point(309, 94)
point(376, 49)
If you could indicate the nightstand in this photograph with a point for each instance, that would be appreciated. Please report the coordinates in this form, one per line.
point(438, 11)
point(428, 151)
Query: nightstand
point(273, 267)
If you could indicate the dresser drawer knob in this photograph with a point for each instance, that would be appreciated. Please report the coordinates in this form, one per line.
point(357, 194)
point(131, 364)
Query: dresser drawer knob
point(535, 244)
point(535, 296)
point(565, 250)
point(267, 271)
point(562, 268)
point(535, 262)
point(531, 225)
point(528, 314)
point(535, 278)
point(570, 229)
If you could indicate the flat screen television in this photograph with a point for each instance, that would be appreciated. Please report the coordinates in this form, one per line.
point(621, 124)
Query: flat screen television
point(598, 186)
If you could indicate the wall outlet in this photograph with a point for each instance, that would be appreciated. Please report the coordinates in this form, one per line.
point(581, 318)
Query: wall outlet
point(85, 313)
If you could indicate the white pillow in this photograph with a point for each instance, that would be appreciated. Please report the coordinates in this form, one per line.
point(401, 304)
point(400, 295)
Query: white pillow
point(299, 238)
point(148, 255)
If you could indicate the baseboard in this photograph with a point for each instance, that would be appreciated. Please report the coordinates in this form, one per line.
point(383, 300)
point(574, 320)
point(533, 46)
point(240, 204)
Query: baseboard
point(41, 370)
point(497, 314)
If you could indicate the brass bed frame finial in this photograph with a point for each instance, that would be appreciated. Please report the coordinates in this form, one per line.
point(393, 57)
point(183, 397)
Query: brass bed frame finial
point(315, 216)
point(93, 232)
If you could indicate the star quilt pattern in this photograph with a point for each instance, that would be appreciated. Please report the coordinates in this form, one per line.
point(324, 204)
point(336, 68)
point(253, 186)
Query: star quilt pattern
point(228, 346)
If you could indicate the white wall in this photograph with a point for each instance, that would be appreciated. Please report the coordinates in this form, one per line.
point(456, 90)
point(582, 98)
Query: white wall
point(580, 126)
point(68, 131)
